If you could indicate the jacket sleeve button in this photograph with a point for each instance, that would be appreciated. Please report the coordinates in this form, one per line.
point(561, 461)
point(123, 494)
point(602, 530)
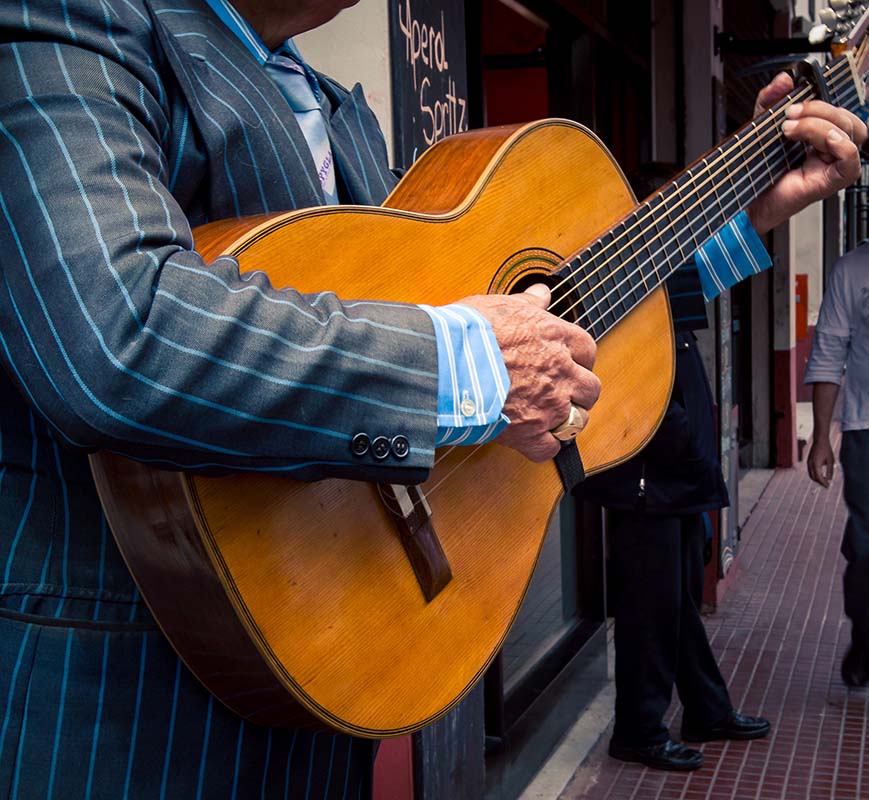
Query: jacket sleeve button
point(400, 446)
point(380, 447)
point(359, 444)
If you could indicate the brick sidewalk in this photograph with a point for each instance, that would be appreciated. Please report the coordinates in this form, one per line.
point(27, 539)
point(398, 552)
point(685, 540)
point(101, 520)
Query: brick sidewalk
point(779, 635)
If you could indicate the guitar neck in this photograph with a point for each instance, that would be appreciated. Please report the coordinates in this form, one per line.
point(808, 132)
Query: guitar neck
point(603, 282)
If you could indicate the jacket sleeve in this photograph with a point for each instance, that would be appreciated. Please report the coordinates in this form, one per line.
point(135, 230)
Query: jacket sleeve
point(119, 333)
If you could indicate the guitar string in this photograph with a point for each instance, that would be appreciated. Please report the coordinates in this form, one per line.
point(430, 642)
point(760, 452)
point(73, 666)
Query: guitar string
point(798, 94)
point(722, 156)
point(444, 478)
point(757, 132)
point(726, 211)
point(738, 200)
point(768, 165)
point(765, 128)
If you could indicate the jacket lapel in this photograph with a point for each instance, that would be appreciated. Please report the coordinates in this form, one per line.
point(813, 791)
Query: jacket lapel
point(357, 145)
point(258, 159)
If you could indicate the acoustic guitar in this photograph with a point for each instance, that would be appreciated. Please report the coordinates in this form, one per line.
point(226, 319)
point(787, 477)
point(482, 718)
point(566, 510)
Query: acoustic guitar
point(313, 604)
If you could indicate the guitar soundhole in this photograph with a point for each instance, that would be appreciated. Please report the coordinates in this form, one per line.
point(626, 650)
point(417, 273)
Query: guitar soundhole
point(538, 265)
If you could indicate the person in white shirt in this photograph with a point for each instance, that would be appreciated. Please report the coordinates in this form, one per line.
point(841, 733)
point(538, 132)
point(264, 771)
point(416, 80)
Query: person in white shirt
point(841, 348)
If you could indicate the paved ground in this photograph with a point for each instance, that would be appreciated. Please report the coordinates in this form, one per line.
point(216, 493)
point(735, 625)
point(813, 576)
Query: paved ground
point(779, 634)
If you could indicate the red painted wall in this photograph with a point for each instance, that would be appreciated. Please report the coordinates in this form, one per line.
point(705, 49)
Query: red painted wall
point(804, 349)
point(393, 770)
point(513, 95)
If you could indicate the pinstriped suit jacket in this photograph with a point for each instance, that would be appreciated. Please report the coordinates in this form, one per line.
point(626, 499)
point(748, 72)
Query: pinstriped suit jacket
point(123, 123)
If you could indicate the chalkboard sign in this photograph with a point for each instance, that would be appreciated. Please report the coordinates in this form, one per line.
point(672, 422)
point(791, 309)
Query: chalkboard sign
point(429, 74)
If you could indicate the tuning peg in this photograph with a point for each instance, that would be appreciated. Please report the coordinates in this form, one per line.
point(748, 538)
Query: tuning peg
point(819, 34)
point(838, 4)
point(828, 17)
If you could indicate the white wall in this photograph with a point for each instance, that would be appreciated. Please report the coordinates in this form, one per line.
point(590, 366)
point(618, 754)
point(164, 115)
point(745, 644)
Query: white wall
point(354, 48)
point(701, 63)
point(801, 8)
point(808, 253)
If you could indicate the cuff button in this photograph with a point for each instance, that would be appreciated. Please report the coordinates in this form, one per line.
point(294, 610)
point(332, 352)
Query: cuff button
point(468, 407)
point(359, 444)
point(380, 448)
point(400, 446)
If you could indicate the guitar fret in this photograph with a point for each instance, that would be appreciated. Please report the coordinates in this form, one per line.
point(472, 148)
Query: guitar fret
point(732, 198)
point(787, 152)
point(746, 169)
point(640, 254)
point(748, 188)
point(672, 199)
point(663, 243)
point(713, 214)
point(758, 182)
point(700, 228)
point(635, 285)
point(759, 152)
point(566, 299)
point(607, 283)
point(622, 272)
point(615, 269)
point(782, 147)
point(595, 296)
point(797, 153)
point(720, 213)
point(596, 329)
point(687, 219)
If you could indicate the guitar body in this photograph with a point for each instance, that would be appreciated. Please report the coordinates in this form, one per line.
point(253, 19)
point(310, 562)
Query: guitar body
point(295, 603)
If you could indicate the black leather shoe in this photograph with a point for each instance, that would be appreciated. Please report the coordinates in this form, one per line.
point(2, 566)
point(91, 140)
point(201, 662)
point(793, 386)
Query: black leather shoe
point(855, 669)
point(733, 726)
point(669, 755)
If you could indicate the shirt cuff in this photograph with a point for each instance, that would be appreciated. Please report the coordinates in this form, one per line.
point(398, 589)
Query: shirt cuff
point(472, 378)
point(731, 254)
point(827, 360)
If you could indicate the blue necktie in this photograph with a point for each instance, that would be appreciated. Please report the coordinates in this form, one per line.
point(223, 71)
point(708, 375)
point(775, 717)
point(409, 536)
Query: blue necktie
point(293, 82)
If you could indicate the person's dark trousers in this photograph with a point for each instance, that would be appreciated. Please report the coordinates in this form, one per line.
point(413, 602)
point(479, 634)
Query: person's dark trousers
point(855, 544)
point(660, 639)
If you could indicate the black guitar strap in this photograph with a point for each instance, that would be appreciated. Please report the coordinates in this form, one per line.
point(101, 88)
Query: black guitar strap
point(569, 465)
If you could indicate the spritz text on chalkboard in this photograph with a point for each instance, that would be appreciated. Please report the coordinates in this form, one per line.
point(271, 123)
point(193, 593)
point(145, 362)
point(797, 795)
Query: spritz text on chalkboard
point(426, 50)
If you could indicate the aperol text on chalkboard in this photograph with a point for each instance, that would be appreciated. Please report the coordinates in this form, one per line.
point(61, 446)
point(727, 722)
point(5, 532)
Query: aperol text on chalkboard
point(429, 74)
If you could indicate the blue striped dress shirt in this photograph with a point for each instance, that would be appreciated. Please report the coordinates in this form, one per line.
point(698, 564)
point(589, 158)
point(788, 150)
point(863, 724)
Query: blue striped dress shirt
point(731, 255)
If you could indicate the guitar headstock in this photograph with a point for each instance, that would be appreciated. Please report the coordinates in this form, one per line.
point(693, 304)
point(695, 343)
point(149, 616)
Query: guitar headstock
point(838, 21)
point(845, 24)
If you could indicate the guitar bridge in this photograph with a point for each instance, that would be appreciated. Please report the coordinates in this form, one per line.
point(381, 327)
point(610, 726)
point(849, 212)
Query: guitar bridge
point(411, 515)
